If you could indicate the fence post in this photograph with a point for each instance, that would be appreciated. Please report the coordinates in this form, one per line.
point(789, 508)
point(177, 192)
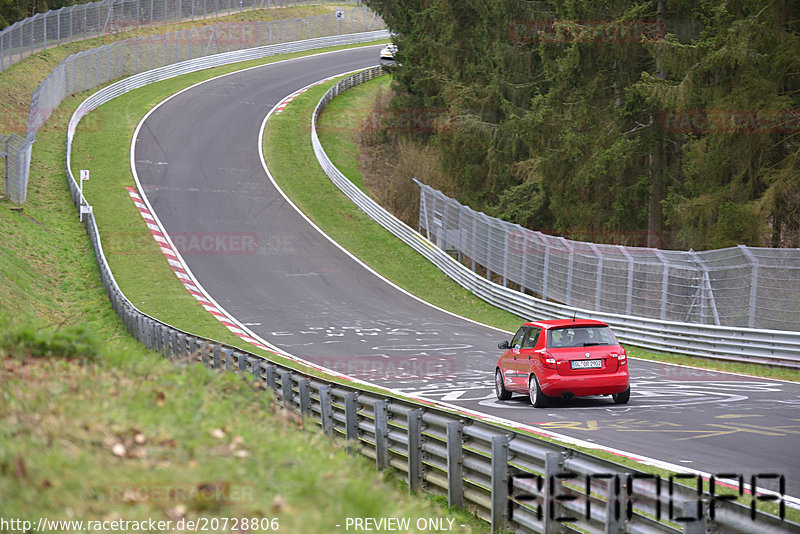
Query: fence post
point(455, 454)
point(499, 483)
point(664, 284)
point(414, 450)
point(381, 435)
point(629, 295)
point(751, 319)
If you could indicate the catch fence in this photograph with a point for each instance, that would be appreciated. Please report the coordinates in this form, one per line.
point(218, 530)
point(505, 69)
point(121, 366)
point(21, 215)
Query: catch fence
point(96, 19)
point(86, 70)
point(745, 287)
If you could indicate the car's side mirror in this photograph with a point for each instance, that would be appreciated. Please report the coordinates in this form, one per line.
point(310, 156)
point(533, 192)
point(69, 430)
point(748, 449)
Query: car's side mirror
point(503, 345)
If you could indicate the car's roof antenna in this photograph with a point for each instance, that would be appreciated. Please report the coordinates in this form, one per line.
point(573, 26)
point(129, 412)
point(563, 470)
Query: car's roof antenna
point(574, 315)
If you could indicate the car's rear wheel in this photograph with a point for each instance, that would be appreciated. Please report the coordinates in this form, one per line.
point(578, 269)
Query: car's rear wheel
point(499, 387)
point(538, 399)
point(622, 398)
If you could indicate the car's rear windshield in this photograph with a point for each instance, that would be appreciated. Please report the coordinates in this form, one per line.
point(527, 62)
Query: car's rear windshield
point(580, 336)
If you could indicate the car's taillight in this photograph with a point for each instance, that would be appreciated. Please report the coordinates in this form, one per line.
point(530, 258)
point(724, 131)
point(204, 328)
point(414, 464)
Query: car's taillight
point(547, 360)
point(623, 357)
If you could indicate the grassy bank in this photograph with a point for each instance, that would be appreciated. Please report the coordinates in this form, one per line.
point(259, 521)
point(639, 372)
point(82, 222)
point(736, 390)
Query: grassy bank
point(108, 431)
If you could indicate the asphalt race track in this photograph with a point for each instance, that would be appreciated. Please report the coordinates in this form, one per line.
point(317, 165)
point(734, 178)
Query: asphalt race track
point(197, 157)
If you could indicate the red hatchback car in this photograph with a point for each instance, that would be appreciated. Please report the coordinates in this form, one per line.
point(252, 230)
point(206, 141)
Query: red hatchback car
point(563, 358)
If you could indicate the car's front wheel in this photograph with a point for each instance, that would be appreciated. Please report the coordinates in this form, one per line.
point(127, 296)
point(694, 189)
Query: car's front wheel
point(499, 387)
point(538, 399)
point(622, 398)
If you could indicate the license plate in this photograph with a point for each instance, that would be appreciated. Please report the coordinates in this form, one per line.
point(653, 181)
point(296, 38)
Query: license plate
point(587, 364)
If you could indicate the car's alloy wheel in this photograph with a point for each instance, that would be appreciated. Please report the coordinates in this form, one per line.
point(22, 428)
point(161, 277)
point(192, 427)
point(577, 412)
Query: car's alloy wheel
point(500, 388)
point(622, 398)
point(538, 399)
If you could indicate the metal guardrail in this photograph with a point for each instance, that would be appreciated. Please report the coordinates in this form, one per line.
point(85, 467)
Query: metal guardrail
point(774, 347)
point(512, 479)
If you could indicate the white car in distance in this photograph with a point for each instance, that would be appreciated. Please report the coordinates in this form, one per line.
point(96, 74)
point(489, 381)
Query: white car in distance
point(388, 51)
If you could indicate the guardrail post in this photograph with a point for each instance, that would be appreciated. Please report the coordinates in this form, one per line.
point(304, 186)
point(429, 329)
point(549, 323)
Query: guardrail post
point(217, 357)
point(271, 382)
point(152, 334)
point(203, 349)
point(351, 420)
point(180, 344)
point(381, 435)
point(241, 358)
point(173, 337)
point(303, 386)
point(326, 409)
point(614, 514)
point(227, 356)
point(499, 483)
point(163, 338)
point(693, 517)
point(139, 334)
point(255, 367)
point(192, 345)
point(455, 455)
point(157, 337)
point(414, 450)
point(286, 389)
point(554, 485)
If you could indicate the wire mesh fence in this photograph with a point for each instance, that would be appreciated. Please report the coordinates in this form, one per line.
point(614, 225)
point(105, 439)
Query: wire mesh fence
point(95, 19)
point(738, 287)
point(95, 67)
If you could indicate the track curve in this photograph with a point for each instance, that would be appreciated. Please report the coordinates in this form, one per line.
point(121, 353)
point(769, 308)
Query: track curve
point(198, 162)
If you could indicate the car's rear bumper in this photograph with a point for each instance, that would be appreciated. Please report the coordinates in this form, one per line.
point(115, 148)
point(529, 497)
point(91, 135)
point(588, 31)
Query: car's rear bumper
point(581, 386)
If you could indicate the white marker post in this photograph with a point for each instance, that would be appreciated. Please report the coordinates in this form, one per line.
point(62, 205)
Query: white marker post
point(84, 176)
point(339, 16)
